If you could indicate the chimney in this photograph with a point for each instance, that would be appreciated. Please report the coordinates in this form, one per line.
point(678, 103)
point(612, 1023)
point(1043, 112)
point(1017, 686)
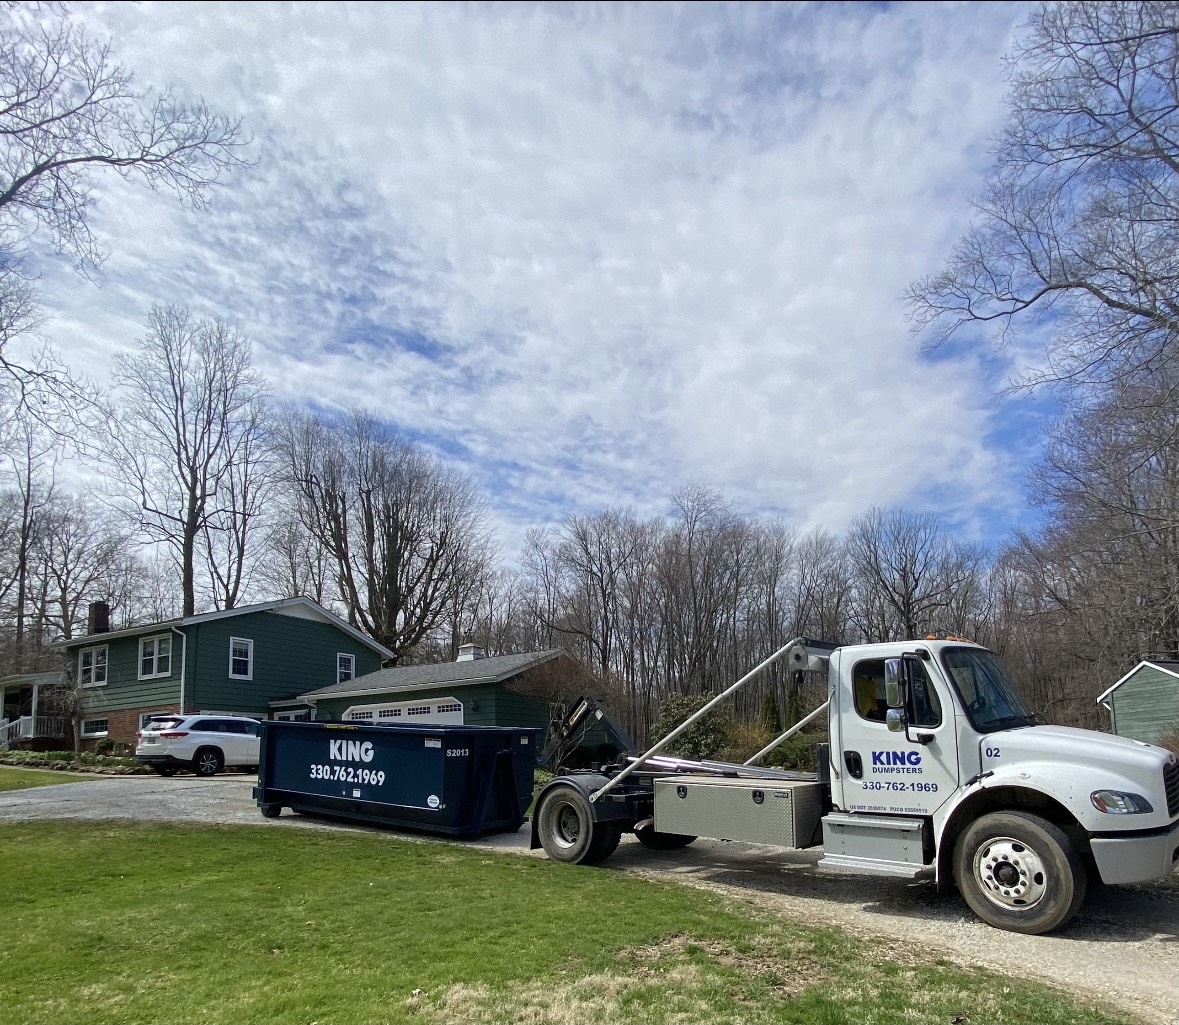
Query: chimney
point(98, 618)
point(469, 652)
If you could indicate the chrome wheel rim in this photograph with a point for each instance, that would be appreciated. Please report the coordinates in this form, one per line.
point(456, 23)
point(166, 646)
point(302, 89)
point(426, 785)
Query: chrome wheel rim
point(1010, 873)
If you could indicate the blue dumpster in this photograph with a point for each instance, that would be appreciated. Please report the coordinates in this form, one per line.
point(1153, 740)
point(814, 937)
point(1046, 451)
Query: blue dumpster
point(451, 780)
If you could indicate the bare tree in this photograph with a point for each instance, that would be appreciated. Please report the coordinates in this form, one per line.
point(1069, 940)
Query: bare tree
point(909, 572)
point(244, 484)
point(1078, 229)
point(401, 529)
point(77, 551)
point(31, 467)
point(68, 114)
point(294, 561)
point(185, 443)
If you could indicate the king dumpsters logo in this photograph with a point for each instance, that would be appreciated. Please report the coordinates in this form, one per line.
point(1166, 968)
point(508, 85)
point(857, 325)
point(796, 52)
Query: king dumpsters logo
point(885, 762)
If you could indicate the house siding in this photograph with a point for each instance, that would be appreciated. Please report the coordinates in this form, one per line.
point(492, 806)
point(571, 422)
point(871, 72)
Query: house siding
point(1146, 706)
point(124, 689)
point(291, 655)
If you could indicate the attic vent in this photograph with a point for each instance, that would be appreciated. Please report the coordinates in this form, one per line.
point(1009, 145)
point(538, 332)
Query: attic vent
point(469, 652)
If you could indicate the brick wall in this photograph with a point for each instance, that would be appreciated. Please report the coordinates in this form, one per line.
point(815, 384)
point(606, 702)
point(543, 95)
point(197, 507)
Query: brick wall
point(122, 724)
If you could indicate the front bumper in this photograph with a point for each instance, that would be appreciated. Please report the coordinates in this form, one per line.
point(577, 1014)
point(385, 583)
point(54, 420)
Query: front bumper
point(1137, 859)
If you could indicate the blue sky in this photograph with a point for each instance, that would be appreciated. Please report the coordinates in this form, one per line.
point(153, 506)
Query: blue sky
point(591, 254)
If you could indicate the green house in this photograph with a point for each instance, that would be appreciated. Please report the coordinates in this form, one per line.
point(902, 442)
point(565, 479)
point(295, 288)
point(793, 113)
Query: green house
point(505, 690)
point(1144, 704)
point(239, 660)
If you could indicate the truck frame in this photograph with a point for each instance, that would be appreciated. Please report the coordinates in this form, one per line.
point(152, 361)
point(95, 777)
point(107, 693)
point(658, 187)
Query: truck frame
point(933, 767)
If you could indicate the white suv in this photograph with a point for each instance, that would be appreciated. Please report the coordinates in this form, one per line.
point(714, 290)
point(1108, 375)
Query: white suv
point(206, 744)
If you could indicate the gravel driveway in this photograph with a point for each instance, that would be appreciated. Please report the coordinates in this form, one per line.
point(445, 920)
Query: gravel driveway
point(1123, 947)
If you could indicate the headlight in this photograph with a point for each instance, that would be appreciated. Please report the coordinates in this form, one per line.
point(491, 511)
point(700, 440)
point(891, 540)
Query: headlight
point(1114, 802)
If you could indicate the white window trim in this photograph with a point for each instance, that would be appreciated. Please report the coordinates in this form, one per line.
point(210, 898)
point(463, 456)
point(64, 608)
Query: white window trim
point(105, 665)
point(351, 664)
point(249, 643)
point(156, 638)
point(94, 736)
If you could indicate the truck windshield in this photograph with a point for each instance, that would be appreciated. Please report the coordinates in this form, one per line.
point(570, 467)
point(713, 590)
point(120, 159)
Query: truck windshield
point(989, 697)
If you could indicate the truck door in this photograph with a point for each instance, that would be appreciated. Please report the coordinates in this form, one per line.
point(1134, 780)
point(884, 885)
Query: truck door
point(885, 772)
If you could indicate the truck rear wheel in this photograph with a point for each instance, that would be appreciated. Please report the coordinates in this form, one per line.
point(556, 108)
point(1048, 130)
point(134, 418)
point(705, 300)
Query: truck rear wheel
point(1019, 872)
point(567, 831)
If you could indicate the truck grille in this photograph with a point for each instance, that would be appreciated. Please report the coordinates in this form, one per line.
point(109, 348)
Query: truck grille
point(1171, 783)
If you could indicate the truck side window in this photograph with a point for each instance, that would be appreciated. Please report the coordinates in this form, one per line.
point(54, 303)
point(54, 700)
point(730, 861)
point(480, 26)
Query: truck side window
point(868, 681)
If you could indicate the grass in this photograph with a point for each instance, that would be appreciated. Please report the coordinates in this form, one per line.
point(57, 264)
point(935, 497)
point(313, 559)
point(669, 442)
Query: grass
point(131, 922)
point(21, 779)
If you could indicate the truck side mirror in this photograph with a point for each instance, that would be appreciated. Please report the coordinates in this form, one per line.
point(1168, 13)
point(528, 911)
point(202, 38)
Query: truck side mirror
point(895, 718)
point(896, 674)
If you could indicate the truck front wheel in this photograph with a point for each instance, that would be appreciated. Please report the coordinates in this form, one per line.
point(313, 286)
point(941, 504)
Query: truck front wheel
point(1019, 872)
point(567, 831)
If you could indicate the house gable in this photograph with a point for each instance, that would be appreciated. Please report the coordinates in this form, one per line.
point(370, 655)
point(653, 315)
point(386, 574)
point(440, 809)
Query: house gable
point(287, 655)
point(1144, 704)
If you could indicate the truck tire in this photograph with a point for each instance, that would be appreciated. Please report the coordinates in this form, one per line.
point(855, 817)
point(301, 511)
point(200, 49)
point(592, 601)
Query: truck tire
point(1019, 872)
point(654, 841)
point(607, 836)
point(565, 824)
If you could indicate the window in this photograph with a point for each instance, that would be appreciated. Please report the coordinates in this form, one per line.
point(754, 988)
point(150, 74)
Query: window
point(452, 706)
point(297, 716)
point(155, 657)
point(361, 716)
point(389, 713)
point(241, 658)
point(345, 667)
point(418, 710)
point(158, 720)
point(868, 680)
point(92, 667)
point(94, 727)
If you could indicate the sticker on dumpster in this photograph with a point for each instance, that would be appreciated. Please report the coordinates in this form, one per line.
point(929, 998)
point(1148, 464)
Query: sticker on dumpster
point(355, 793)
point(433, 801)
point(433, 742)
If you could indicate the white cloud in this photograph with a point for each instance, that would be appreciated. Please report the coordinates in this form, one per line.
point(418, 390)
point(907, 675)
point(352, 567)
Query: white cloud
point(590, 253)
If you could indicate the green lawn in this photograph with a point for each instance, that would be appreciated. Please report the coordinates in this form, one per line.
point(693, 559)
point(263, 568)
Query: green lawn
point(115, 922)
point(19, 779)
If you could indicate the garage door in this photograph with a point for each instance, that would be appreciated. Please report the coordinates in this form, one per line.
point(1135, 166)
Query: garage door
point(445, 711)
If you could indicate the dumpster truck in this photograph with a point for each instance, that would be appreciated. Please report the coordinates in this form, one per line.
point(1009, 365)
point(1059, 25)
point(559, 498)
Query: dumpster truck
point(933, 767)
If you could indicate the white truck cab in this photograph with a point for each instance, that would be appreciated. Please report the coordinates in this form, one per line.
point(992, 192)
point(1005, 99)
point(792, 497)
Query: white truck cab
point(933, 766)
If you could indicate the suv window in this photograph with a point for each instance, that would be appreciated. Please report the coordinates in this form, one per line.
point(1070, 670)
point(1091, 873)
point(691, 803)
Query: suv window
point(166, 723)
point(208, 726)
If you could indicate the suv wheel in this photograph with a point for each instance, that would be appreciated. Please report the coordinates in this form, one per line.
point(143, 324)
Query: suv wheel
point(208, 762)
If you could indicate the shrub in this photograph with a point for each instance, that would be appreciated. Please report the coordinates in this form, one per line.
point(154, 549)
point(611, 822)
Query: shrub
point(1170, 740)
point(769, 720)
point(705, 739)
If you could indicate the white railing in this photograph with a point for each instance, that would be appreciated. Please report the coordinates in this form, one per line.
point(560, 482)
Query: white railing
point(28, 727)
